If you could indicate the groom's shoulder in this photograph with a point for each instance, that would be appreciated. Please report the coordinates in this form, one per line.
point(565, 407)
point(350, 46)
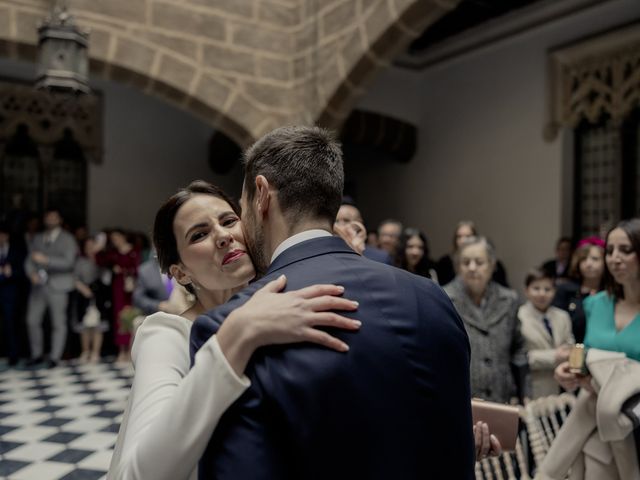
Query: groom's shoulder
point(208, 323)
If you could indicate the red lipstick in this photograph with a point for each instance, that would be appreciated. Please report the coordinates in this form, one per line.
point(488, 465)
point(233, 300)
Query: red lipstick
point(232, 256)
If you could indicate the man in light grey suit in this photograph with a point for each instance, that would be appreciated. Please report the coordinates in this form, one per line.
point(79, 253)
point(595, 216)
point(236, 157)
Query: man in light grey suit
point(49, 266)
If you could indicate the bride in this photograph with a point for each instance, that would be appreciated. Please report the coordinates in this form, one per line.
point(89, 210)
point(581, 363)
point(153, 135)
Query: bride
point(172, 409)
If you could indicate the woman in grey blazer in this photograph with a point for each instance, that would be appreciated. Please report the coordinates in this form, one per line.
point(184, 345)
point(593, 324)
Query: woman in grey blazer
point(489, 312)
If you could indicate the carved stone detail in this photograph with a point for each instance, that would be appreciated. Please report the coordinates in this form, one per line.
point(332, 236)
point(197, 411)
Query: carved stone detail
point(595, 77)
point(49, 115)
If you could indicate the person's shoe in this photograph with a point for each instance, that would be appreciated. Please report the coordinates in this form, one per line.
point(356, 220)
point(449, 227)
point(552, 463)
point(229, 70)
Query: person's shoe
point(52, 363)
point(13, 362)
point(32, 362)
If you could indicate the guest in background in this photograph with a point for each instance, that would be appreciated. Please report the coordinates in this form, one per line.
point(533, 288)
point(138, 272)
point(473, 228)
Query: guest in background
point(157, 292)
point(445, 267)
point(89, 311)
point(32, 229)
point(12, 257)
point(49, 266)
point(489, 312)
point(123, 260)
point(347, 215)
point(80, 233)
point(597, 439)
point(558, 267)
point(413, 254)
point(388, 235)
point(142, 245)
point(587, 273)
point(372, 238)
point(546, 331)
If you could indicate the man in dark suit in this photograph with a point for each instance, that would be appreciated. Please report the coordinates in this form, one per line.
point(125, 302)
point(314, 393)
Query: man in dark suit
point(397, 404)
point(12, 256)
point(558, 267)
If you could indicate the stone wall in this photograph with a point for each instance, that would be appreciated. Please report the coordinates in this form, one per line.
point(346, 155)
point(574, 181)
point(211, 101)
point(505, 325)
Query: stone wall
point(244, 66)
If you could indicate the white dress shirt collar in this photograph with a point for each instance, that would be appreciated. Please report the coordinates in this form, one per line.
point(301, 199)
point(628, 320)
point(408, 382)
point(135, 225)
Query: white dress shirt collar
point(299, 238)
point(52, 235)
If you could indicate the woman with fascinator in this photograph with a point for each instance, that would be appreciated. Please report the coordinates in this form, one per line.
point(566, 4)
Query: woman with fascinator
point(587, 273)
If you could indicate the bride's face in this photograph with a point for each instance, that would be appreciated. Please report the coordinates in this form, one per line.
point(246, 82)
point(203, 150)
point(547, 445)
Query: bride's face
point(211, 245)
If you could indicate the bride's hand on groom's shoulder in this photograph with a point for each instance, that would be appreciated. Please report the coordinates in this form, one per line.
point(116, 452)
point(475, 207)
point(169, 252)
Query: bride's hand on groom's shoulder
point(272, 317)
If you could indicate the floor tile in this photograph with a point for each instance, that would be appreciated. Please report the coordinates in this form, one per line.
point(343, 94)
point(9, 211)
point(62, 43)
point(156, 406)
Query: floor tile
point(96, 441)
point(86, 425)
point(27, 418)
point(22, 406)
point(78, 411)
point(8, 446)
point(70, 455)
point(44, 470)
point(70, 399)
point(97, 461)
point(33, 452)
point(84, 474)
point(29, 434)
point(62, 437)
point(56, 422)
point(8, 467)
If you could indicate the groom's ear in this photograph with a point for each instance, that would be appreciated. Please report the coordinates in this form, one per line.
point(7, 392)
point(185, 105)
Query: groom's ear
point(262, 195)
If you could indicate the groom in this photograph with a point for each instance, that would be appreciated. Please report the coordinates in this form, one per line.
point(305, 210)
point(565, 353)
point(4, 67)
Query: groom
point(397, 405)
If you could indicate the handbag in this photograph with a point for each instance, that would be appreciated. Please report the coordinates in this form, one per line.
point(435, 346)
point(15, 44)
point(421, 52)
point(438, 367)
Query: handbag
point(91, 317)
point(503, 420)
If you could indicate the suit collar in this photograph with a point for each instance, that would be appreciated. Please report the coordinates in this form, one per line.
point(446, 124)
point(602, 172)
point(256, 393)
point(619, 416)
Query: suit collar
point(298, 238)
point(308, 249)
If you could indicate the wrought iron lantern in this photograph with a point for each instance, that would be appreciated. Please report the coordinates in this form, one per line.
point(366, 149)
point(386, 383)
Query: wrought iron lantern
point(63, 61)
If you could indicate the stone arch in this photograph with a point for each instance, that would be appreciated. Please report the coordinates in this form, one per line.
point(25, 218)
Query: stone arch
point(244, 66)
point(197, 57)
point(387, 28)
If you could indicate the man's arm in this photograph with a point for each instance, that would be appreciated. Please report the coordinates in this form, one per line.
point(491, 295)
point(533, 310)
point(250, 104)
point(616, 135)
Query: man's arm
point(66, 259)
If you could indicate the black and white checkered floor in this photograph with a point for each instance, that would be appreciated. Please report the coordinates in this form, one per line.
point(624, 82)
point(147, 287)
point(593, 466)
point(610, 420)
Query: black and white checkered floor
point(61, 423)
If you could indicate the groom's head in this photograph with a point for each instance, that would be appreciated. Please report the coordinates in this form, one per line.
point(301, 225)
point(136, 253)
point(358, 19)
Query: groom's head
point(293, 177)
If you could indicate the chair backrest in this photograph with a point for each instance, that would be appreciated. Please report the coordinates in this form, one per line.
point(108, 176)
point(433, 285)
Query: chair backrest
point(544, 418)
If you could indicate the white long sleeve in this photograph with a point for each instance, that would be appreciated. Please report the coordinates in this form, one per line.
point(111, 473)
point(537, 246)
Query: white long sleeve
point(172, 411)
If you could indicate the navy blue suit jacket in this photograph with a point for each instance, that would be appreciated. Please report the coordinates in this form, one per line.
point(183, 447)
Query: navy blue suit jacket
point(397, 405)
point(378, 255)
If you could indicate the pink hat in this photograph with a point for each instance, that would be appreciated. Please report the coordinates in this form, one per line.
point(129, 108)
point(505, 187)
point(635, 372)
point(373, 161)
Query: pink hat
point(594, 241)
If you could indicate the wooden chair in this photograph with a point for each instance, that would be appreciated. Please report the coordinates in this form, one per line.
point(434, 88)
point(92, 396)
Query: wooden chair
point(544, 418)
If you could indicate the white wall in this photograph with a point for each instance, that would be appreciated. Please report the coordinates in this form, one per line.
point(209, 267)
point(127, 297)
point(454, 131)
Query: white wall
point(150, 150)
point(481, 153)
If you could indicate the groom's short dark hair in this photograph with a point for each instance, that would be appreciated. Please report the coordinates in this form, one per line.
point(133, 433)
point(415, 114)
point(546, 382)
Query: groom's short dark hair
point(305, 165)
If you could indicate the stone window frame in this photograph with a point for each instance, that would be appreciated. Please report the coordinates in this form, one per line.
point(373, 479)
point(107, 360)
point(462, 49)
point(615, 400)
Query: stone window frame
point(594, 87)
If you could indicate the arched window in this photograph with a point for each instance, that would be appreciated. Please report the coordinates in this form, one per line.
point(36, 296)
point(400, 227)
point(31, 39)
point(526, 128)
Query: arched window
point(46, 142)
point(21, 172)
